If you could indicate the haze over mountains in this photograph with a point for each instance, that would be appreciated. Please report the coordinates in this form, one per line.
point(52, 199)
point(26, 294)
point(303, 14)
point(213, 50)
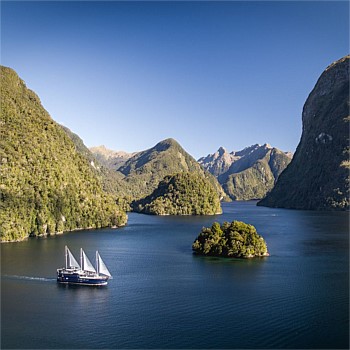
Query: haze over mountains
point(109, 158)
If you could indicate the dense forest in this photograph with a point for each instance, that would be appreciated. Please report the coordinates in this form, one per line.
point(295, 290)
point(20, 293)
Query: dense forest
point(234, 240)
point(47, 186)
point(181, 194)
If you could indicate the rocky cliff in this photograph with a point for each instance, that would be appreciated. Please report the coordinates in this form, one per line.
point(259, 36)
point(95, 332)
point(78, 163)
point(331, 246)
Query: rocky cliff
point(318, 176)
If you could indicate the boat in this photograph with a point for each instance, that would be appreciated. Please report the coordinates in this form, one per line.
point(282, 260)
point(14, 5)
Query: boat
point(84, 273)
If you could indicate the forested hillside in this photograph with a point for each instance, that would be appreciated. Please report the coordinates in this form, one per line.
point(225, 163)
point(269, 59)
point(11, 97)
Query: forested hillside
point(181, 194)
point(46, 185)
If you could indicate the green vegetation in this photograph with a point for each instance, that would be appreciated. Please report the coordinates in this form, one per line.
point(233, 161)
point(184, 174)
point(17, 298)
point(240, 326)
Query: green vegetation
point(47, 186)
point(144, 171)
point(234, 240)
point(181, 194)
point(112, 181)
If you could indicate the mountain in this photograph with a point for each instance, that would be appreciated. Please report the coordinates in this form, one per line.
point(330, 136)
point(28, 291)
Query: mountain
point(109, 158)
point(318, 176)
point(218, 162)
point(144, 171)
point(249, 173)
point(181, 194)
point(47, 186)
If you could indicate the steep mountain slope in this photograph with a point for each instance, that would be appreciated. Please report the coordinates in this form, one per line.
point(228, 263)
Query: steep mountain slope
point(181, 194)
point(318, 176)
point(146, 169)
point(46, 185)
point(109, 158)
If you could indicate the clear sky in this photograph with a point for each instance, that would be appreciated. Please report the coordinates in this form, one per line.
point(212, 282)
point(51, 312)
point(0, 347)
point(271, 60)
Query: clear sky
point(209, 74)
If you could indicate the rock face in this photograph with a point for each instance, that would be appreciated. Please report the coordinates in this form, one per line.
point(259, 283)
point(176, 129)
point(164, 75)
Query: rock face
point(249, 173)
point(318, 176)
point(219, 162)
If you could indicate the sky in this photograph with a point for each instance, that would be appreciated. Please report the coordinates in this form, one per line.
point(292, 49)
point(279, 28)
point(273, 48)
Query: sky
point(208, 74)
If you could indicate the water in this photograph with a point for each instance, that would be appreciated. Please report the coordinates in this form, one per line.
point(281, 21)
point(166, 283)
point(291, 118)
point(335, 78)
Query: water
point(162, 296)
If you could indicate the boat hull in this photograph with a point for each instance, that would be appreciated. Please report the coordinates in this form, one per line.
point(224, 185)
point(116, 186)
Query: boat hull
point(81, 279)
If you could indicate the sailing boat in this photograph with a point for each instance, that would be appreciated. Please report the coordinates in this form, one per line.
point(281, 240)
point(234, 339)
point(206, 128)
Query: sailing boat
point(84, 273)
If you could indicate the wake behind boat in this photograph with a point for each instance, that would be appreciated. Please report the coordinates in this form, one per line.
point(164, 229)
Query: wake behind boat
point(85, 273)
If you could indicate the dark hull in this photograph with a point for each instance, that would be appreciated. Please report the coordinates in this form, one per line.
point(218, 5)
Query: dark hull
point(75, 278)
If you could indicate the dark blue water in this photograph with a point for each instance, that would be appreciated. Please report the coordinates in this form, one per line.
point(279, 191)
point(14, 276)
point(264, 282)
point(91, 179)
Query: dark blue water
point(162, 296)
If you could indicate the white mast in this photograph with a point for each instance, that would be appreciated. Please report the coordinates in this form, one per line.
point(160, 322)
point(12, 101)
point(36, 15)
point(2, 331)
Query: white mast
point(97, 264)
point(66, 252)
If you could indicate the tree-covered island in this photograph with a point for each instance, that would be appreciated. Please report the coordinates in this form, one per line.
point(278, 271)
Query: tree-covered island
point(233, 240)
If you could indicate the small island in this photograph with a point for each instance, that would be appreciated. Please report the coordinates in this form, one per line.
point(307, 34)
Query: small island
point(232, 240)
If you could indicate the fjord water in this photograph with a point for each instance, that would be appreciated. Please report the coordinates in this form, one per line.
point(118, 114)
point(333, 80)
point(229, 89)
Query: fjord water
point(162, 296)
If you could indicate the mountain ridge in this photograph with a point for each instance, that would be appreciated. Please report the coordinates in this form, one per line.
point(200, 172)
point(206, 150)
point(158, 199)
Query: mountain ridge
point(249, 173)
point(147, 168)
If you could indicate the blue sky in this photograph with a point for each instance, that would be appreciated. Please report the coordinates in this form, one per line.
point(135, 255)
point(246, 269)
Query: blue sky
point(209, 74)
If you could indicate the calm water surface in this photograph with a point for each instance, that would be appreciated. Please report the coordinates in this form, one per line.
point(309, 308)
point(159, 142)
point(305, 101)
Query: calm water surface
point(162, 296)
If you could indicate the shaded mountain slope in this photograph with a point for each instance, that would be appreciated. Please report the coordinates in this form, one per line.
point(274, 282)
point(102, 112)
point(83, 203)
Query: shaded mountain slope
point(318, 176)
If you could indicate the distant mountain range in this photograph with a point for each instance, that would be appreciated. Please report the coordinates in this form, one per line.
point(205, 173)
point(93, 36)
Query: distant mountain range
point(318, 176)
point(109, 158)
point(241, 175)
point(249, 173)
